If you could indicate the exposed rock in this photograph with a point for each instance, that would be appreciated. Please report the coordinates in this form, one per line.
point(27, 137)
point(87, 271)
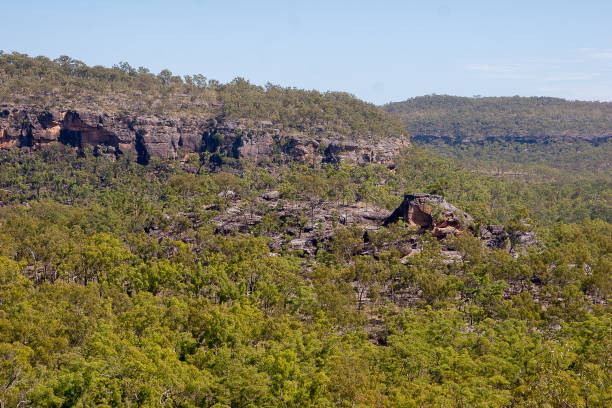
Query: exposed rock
point(431, 212)
point(295, 226)
point(271, 195)
point(495, 236)
point(515, 241)
point(450, 256)
point(522, 238)
point(228, 194)
point(152, 136)
point(303, 229)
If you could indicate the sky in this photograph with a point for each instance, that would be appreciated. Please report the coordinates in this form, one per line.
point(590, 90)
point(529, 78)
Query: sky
point(380, 51)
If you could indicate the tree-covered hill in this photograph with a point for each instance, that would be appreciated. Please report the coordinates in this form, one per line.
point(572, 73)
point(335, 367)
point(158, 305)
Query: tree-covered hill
point(128, 111)
point(66, 83)
point(525, 119)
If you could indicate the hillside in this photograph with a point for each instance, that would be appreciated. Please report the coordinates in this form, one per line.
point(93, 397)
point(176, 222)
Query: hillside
point(455, 119)
point(176, 242)
point(124, 110)
point(124, 284)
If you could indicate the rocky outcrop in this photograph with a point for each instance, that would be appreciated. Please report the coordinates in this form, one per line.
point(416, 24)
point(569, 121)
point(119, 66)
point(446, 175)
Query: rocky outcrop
point(294, 225)
point(297, 225)
point(494, 236)
point(514, 241)
point(152, 136)
point(431, 212)
point(32, 128)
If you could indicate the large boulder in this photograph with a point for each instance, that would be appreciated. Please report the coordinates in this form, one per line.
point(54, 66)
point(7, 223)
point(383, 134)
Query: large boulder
point(495, 236)
point(431, 212)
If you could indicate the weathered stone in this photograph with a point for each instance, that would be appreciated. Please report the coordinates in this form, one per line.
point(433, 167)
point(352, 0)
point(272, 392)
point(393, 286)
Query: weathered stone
point(431, 212)
point(513, 241)
point(153, 136)
point(494, 236)
point(271, 195)
point(522, 238)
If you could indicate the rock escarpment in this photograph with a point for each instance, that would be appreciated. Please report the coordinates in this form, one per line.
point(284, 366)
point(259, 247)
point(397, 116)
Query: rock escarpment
point(153, 136)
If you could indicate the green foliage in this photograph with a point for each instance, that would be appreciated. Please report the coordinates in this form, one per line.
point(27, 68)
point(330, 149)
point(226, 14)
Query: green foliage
point(116, 290)
point(535, 119)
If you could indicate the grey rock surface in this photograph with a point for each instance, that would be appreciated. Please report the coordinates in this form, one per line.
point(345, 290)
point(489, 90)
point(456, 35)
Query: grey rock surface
point(153, 136)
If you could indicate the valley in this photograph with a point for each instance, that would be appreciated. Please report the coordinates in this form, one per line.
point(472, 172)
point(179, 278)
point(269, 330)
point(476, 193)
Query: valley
point(181, 242)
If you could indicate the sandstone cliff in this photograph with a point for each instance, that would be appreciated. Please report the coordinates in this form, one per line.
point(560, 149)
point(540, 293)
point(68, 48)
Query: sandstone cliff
point(153, 136)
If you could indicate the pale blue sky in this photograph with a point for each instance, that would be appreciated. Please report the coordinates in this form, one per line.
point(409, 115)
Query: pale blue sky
point(378, 50)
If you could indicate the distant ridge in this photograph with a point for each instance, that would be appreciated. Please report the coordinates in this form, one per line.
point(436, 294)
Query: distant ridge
point(455, 119)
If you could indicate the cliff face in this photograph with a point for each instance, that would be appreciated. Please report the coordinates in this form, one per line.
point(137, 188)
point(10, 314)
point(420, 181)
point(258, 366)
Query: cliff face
point(152, 136)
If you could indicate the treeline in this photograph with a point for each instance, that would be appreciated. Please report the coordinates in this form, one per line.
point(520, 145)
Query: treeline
point(528, 119)
point(68, 83)
point(116, 291)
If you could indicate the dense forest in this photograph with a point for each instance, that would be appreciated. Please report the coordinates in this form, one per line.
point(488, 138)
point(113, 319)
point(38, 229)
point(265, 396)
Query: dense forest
point(117, 291)
point(178, 284)
point(456, 119)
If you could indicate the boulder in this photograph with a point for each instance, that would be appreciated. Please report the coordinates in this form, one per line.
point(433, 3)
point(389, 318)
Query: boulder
point(495, 236)
point(431, 212)
point(271, 195)
point(514, 241)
